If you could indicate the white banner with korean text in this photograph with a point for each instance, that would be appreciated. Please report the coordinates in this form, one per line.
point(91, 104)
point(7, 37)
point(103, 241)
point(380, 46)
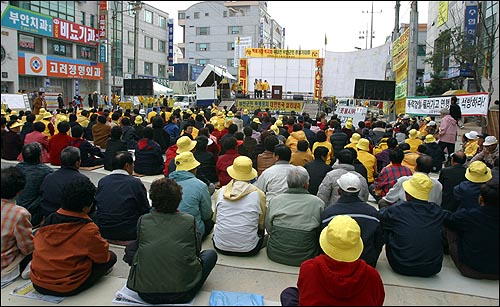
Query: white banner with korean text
point(475, 104)
point(356, 113)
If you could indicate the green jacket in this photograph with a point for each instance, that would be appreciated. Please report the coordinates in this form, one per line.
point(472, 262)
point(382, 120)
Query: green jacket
point(167, 257)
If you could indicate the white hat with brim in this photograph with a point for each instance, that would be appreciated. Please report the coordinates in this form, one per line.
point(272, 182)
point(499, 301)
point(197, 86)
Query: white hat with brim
point(472, 135)
point(341, 239)
point(490, 140)
point(242, 169)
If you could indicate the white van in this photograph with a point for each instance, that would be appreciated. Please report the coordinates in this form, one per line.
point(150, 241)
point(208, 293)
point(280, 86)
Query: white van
point(185, 101)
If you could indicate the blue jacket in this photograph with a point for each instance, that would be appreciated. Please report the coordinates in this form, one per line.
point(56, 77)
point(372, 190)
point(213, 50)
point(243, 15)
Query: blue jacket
point(195, 198)
point(148, 158)
point(120, 200)
point(466, 194)
point(173, 131)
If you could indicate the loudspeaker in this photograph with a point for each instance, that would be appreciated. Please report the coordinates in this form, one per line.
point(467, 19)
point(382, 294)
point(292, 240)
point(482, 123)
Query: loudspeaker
point(370, 86)
point(298, 97)
point(138, 87)
point(359, 89)
point(389, 90)
point(374, 89)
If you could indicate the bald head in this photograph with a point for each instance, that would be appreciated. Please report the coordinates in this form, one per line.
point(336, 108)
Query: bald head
point(458, 158)
point(424, 164)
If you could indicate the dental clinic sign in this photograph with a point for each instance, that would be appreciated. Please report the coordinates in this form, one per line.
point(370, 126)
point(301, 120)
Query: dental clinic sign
point(26, 21)
point(470, 104)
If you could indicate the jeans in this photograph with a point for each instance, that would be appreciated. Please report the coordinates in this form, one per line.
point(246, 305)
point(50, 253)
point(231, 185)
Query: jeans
point(290, 297)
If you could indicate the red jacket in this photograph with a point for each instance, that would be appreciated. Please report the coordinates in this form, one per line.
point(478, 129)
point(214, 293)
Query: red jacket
point(324, 281)
point(170, 154)
point(56, 144)
point(66, 247)
point(223, 162)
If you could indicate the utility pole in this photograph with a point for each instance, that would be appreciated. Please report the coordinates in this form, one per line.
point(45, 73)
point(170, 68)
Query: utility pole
point(371, 25)
point(137, 8)
point(412, 50)
point(395, 35)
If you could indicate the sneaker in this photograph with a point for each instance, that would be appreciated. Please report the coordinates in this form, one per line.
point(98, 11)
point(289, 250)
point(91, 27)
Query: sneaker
point(26, 273)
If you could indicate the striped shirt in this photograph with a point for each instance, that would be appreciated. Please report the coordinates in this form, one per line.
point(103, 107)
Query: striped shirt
point(388, 177)
point(16, 232)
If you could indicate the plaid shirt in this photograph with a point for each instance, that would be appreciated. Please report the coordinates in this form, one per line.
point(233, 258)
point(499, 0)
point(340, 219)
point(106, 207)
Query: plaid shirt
point(388, 177)
point(16, 232)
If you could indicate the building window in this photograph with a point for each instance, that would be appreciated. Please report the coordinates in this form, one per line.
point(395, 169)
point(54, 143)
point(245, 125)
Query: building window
point(206, 14)
point(181, 16)
point(224, 14)
point(130, 9)
point(131, 66)
point(161, 46)
point(234, 30)
point(161, 71)
point(202, 47)
point(59, 48)
point(148, 42)
point(82, 18)
point(230, 63)
point(421, 50)
point(148, 16)
point(86, 52)
point(163, 22)
point(130, 37)
point(230, 46)
point(202, 31)
point(30, 43)
point(92, 21)
point(196, 15)
point(148, 68)
point(202, 62)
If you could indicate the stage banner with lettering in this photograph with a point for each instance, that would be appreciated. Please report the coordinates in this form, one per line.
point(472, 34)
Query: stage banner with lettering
point(242, 74)
point(357, 114)
point(282, 105)
point(318, 79)
point(281, 53)
point(475, 104)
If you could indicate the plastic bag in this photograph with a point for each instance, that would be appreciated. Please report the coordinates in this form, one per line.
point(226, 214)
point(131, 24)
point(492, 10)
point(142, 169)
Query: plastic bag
point(225, 298)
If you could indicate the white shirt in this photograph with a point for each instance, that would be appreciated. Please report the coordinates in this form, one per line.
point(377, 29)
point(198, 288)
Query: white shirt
point(397, 194)
point(272, 181)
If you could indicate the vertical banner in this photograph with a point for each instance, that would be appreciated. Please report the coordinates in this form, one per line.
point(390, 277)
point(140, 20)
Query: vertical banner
point(318, 79)
point(103, 52)
point(103, 11)
point(471, 14)
point(170, 41)
point(242, 74)
point(77, 90)
point(442, 17)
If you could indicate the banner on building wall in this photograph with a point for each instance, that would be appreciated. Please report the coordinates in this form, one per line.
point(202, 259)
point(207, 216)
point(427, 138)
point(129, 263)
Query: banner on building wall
point(282, 105)
point(401, 90)
point(470, 104)
point(103, 52)
point(74, 32)
point(442, 17)
point(318, 79)
point(50, 66)
point(240, 45)
point(281, 53)
point(401, 43)
point(401, 106)
point(357, 114)
point(470, 20)
point(170, 42)
point(402, 73)
point(243, 73)
point(27, 21)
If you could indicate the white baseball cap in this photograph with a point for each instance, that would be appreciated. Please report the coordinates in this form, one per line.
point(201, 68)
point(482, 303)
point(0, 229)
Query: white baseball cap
point(431, 123)
point(349, 183)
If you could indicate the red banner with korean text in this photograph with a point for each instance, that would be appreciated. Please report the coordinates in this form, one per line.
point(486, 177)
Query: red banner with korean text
point(318, 79)
point(242, 74)
point(67, 30)
point(70, 70)
point(103, 11)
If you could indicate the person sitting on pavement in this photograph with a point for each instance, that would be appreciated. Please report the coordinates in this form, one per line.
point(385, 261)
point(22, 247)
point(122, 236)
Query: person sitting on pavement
point(240, 211)
point(466, 193)
point(272, 181)
point(389, 174)
point(397, 194)
point(354, 140)
point(489, 153)
point(58, 142)
point(37, 136)
point(328, 189)
point(101, 132)
point(291, 217)
point(317, 169)
point(339, 277)
point(128, 133)
point(230, 149)
point(195, 196)
point(11, 141)
point(406, 223)
point(169, 266)
point(368, 159)
point(413, 140)
point(367, 217)
point(206, 170)
point(70, 254)
point(90, 155)
point(450, 177)
point(302, 155)
point(383, 156)
point(120, 200)
point(470, 144)
point(472, 235)
point(297, 135)
point(17, 237)
point(433, 150)
point(322, 141)
point(53, 183)
point(35, 172)
point(148, 155)
point(410, 158)
point(266, 159)
point(115, 144)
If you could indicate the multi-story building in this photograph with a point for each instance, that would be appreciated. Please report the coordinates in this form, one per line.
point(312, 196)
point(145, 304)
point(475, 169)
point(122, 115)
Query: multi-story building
point(461, 15)
point(217, 32)
point(78, 47)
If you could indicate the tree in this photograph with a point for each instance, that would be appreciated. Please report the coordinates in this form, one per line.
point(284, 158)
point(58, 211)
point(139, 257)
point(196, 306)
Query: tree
point(475, 53)
point(438, 86)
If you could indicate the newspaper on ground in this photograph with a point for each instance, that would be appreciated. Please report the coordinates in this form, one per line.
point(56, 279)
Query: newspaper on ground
point(26, 290)
point(130, 297)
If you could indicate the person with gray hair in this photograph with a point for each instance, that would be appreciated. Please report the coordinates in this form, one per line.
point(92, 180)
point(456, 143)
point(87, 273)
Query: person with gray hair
point(294, 216)
point(447, 134)
point(35, 172)
point(367, 217)
point(54, 183)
